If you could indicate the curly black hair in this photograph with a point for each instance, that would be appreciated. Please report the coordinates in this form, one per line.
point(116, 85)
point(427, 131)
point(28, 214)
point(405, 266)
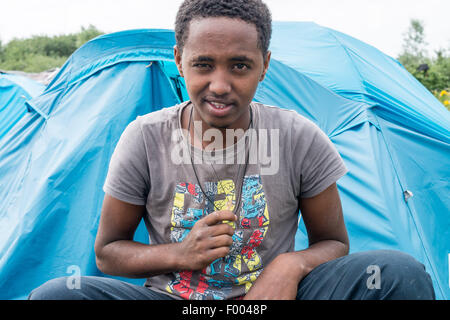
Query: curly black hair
point(250, 11)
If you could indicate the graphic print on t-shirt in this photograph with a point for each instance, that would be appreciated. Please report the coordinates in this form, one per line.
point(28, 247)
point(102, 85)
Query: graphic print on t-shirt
point(243, 264)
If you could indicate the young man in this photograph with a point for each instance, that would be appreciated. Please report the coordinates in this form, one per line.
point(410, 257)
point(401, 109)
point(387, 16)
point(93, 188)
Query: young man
point(222, 223)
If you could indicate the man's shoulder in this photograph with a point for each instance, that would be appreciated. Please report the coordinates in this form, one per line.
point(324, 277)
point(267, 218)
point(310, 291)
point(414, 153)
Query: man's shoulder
point(164, 115)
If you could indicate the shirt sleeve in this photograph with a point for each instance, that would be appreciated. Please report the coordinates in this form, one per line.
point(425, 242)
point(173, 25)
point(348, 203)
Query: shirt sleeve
point(322, 164)
point(128, 176)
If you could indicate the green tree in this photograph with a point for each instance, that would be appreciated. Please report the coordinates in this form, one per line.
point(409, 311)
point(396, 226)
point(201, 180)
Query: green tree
point(432, 72)
point(87, 34)
point(414, 42)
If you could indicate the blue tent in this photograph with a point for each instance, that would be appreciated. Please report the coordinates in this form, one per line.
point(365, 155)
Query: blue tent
point(392, 134)
point(14, 91)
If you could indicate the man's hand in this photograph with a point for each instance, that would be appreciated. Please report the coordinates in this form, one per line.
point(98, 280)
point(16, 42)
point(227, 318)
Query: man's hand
point(209, 239)
point(278, 281)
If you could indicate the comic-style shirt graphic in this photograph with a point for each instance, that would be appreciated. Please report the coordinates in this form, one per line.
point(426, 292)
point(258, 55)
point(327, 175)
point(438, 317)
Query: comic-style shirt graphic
point(243, 264)
point(143, 172)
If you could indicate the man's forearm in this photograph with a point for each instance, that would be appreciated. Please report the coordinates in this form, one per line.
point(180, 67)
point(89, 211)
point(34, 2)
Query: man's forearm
point(137, 260)
point(208, 240)
point(304, 261)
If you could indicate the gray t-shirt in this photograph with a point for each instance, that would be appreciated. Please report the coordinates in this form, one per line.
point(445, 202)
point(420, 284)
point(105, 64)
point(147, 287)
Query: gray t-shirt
point(288, 158)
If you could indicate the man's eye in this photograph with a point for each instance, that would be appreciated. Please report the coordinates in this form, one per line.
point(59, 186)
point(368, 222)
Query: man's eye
point(202, 66)
point(240, 66)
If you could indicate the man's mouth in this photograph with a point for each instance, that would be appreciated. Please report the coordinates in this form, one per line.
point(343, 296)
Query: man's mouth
point(219, 108)
point(218, 105)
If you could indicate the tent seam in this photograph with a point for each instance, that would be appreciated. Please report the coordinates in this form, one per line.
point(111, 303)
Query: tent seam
point(348, 55)
point(410, 211)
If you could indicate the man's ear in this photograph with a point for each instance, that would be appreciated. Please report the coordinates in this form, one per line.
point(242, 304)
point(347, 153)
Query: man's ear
point(266, 66)
point(177, 55)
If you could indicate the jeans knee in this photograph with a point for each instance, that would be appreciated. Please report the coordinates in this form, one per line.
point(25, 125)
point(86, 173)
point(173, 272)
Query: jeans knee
point(401, 276)
point(55, 289)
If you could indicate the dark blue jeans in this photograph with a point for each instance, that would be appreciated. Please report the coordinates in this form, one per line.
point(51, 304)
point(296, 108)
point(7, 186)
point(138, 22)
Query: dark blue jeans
point(369, 275)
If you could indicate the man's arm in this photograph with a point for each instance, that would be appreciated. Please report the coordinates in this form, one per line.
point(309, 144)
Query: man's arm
point(328, 240)
point(117, 253)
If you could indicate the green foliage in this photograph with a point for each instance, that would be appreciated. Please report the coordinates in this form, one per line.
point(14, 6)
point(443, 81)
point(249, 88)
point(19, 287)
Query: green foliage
point(432, 72)
point(437, 77)
point(40, 53)
point(86, 34)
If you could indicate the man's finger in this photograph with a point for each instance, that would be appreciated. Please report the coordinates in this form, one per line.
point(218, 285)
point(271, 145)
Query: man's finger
point(223, 240)
point(221, 228)
point(218, 217)
point(219, 252)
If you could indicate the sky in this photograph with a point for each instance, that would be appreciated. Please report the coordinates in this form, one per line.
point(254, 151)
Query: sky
point(380, 23)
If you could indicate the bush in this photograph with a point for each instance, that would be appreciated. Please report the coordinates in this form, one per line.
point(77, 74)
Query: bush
point(444, 97)
point(40, 53)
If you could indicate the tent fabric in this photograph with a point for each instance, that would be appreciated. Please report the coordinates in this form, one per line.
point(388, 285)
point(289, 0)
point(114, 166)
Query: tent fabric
point(411, 140)
point(14, 91)
point(391, 133)
point(54, 161)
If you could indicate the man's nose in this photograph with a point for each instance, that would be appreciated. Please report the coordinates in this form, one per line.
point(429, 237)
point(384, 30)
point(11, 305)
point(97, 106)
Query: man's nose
point(220, 83)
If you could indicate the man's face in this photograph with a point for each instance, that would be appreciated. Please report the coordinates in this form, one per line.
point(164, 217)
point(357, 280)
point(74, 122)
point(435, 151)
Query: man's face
point(222, 66)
